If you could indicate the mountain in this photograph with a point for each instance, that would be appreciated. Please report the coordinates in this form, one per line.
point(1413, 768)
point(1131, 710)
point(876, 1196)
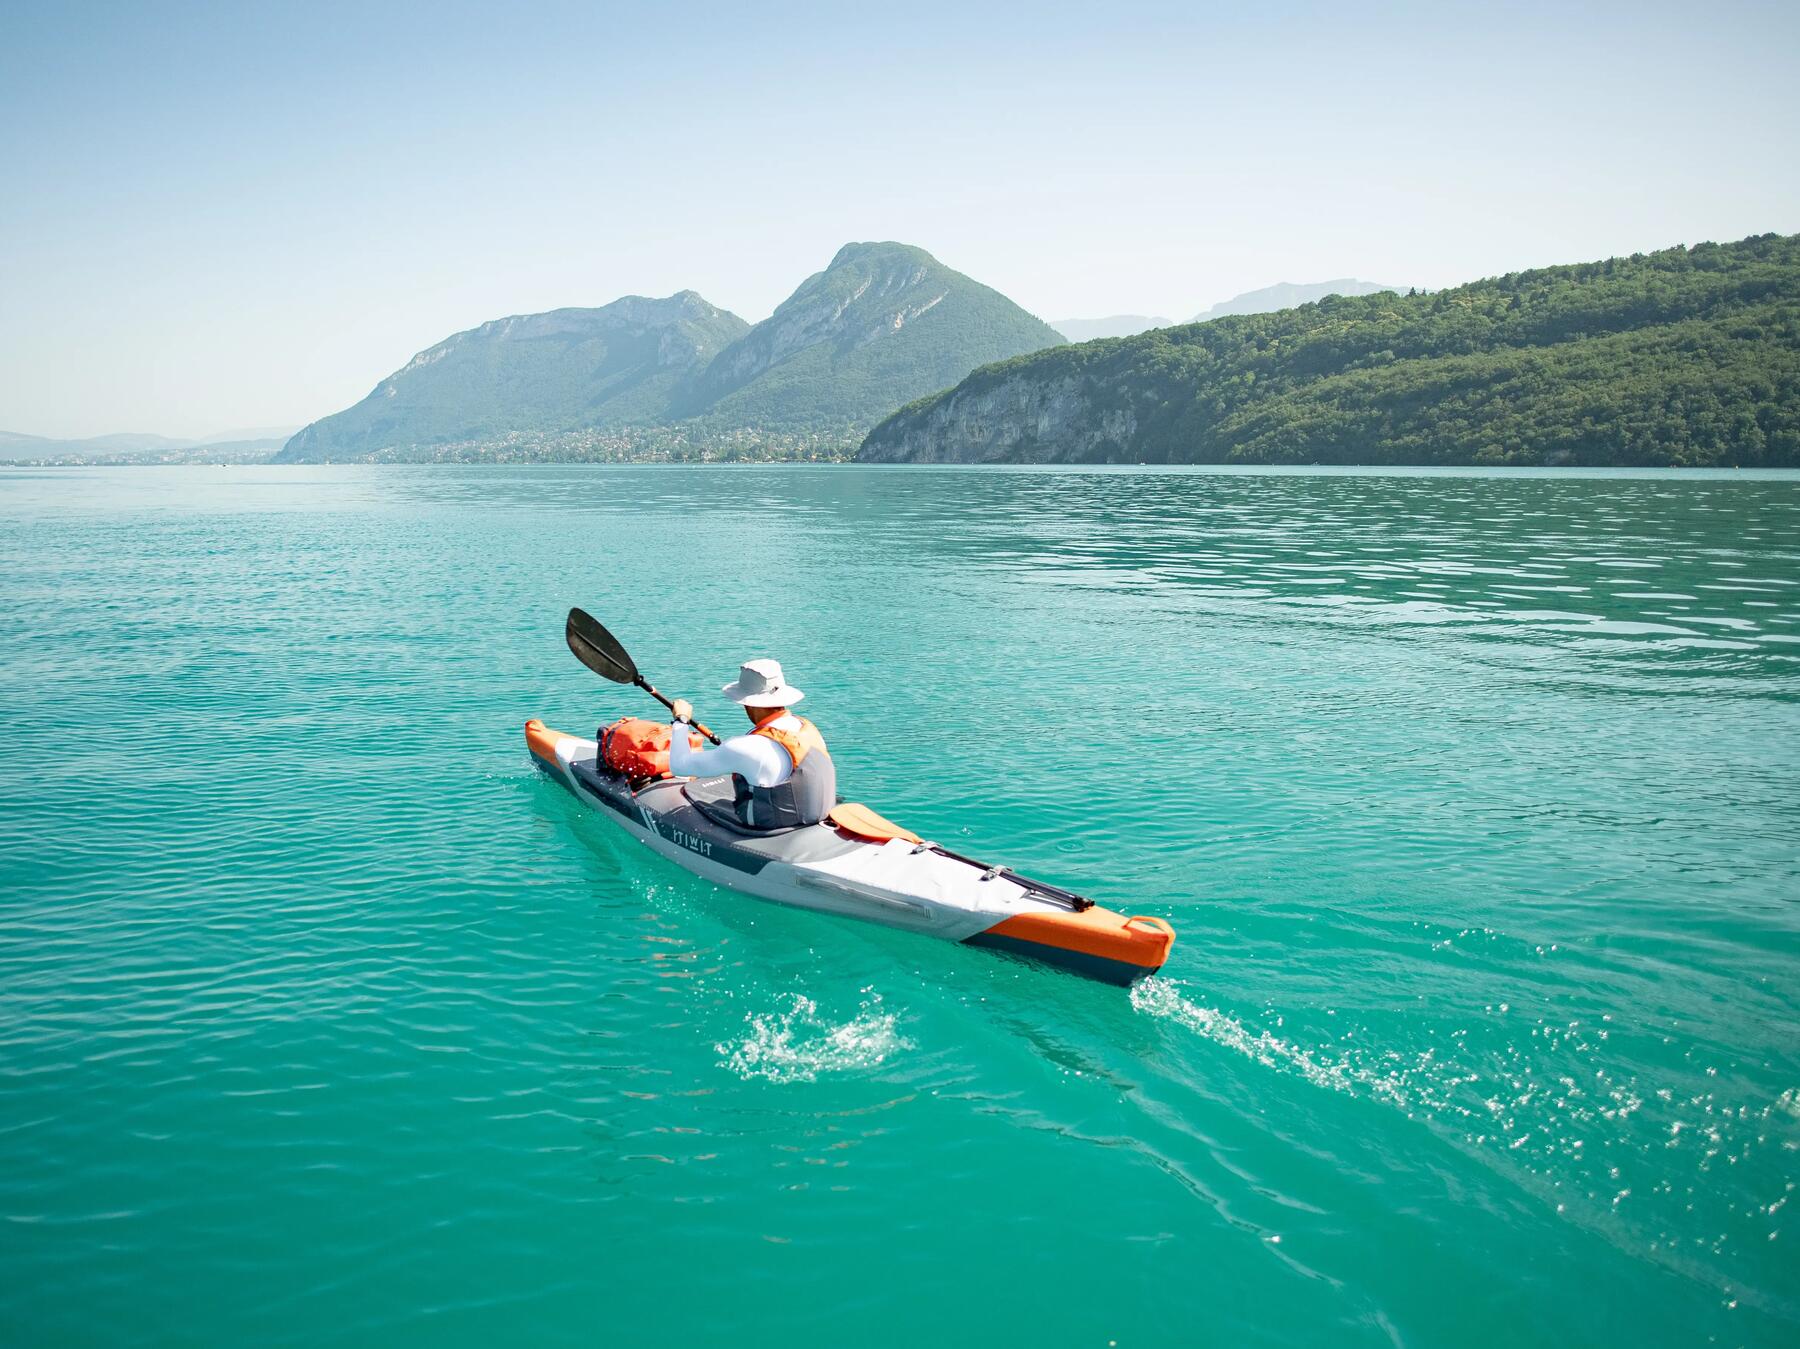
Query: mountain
point(133, 447)
point(882, 324)
point(1283, 295)
point(567, 370)
point(244, 435)
point(1689, 356)
point(1119, 325)
point(126, 442)
point(14, 445)
point(1286, 295)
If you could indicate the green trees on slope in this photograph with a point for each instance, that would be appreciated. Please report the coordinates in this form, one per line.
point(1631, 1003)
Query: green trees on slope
point(1685, 356)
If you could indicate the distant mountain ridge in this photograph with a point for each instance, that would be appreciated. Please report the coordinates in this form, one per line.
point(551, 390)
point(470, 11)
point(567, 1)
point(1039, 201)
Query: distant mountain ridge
point(1687, 356)
point(882, 324)
point(14, 444)
point(1116, 325)
point(141, 447)
point(1287, 295)
point(565, 370)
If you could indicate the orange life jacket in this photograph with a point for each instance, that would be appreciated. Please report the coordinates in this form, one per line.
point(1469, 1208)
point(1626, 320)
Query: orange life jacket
point(798, 743)
point(810, 791)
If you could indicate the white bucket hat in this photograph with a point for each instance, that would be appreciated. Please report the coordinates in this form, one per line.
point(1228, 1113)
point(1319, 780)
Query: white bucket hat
point(760, 684)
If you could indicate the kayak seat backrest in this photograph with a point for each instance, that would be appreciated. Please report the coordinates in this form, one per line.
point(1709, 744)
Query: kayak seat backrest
point(716, 801)
point(860, 821)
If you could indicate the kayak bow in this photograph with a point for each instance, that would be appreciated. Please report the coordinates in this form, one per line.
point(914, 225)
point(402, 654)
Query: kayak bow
point(859, 865)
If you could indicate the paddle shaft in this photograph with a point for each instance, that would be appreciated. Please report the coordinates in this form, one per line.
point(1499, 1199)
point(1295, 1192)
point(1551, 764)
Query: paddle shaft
point(650, 688)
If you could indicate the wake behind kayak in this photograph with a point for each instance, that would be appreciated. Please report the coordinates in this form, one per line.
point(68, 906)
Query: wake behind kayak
point(856, 864)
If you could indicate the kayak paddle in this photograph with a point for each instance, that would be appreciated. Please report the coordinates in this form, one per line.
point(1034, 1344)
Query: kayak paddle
point(601, 652)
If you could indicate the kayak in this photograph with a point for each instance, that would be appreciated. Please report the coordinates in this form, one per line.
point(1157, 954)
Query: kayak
point(859, 865)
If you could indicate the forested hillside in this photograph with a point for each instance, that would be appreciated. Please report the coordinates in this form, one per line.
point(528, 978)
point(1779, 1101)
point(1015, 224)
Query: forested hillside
point(1688, 356)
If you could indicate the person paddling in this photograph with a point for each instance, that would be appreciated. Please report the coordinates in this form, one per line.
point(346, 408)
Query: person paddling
point(781, 771)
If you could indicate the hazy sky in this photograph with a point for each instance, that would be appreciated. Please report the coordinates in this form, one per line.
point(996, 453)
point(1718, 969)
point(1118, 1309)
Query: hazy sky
point(246, 215)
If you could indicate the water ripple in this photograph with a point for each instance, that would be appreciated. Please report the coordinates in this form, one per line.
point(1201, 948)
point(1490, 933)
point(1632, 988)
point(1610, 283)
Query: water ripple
point(1472, 795)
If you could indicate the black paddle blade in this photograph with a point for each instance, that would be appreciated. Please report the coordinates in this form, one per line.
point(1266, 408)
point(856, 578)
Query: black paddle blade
point(598, 649)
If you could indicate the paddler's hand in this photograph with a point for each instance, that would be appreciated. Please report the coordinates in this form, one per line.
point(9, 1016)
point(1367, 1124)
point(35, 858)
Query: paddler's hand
point(684, 710)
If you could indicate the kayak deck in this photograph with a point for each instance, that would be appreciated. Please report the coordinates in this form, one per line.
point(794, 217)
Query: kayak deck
point(863, 868)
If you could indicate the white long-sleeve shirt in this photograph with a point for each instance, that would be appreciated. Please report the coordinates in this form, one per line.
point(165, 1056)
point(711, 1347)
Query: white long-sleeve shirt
point(755, 758)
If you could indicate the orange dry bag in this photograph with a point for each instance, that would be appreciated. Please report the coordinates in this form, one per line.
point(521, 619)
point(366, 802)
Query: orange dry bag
point(638, 748)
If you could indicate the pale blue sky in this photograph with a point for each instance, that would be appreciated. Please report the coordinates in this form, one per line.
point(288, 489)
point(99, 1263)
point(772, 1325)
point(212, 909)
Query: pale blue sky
point(246, 215)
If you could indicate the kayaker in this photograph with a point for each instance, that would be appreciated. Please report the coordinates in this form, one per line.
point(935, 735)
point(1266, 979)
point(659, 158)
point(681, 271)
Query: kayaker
point(781, 771)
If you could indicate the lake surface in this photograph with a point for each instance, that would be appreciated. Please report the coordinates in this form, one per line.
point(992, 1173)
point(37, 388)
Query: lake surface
point(1474, 797)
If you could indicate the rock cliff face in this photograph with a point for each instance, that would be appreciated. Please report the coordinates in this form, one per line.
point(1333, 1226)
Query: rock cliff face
point(1019, 419)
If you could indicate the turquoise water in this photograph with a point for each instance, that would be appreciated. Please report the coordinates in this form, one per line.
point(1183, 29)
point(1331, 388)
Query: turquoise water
point(1475, 799)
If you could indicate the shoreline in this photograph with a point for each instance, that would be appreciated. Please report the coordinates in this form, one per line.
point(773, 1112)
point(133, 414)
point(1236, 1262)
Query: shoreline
point(1572, 471)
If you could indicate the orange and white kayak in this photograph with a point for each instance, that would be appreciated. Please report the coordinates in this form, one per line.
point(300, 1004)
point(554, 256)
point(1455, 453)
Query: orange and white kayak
point(859, 865)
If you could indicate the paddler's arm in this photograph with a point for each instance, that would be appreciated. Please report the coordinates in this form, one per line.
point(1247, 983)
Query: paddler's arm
point(755, 758)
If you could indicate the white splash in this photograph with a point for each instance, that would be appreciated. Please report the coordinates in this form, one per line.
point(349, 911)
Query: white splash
point(1162, 997)
point(798, 1044)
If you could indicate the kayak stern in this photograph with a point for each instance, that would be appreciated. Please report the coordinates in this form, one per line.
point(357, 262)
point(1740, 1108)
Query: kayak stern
point(1098, 943)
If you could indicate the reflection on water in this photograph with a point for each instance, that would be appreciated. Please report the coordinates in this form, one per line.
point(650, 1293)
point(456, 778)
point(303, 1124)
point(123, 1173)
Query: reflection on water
point(1698, 561)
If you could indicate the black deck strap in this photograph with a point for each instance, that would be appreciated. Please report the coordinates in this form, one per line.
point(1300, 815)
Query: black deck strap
point(1079, 903)
point(1042, 889)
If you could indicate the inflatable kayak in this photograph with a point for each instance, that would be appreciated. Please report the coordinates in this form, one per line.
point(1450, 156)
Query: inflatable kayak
point(859, 865)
